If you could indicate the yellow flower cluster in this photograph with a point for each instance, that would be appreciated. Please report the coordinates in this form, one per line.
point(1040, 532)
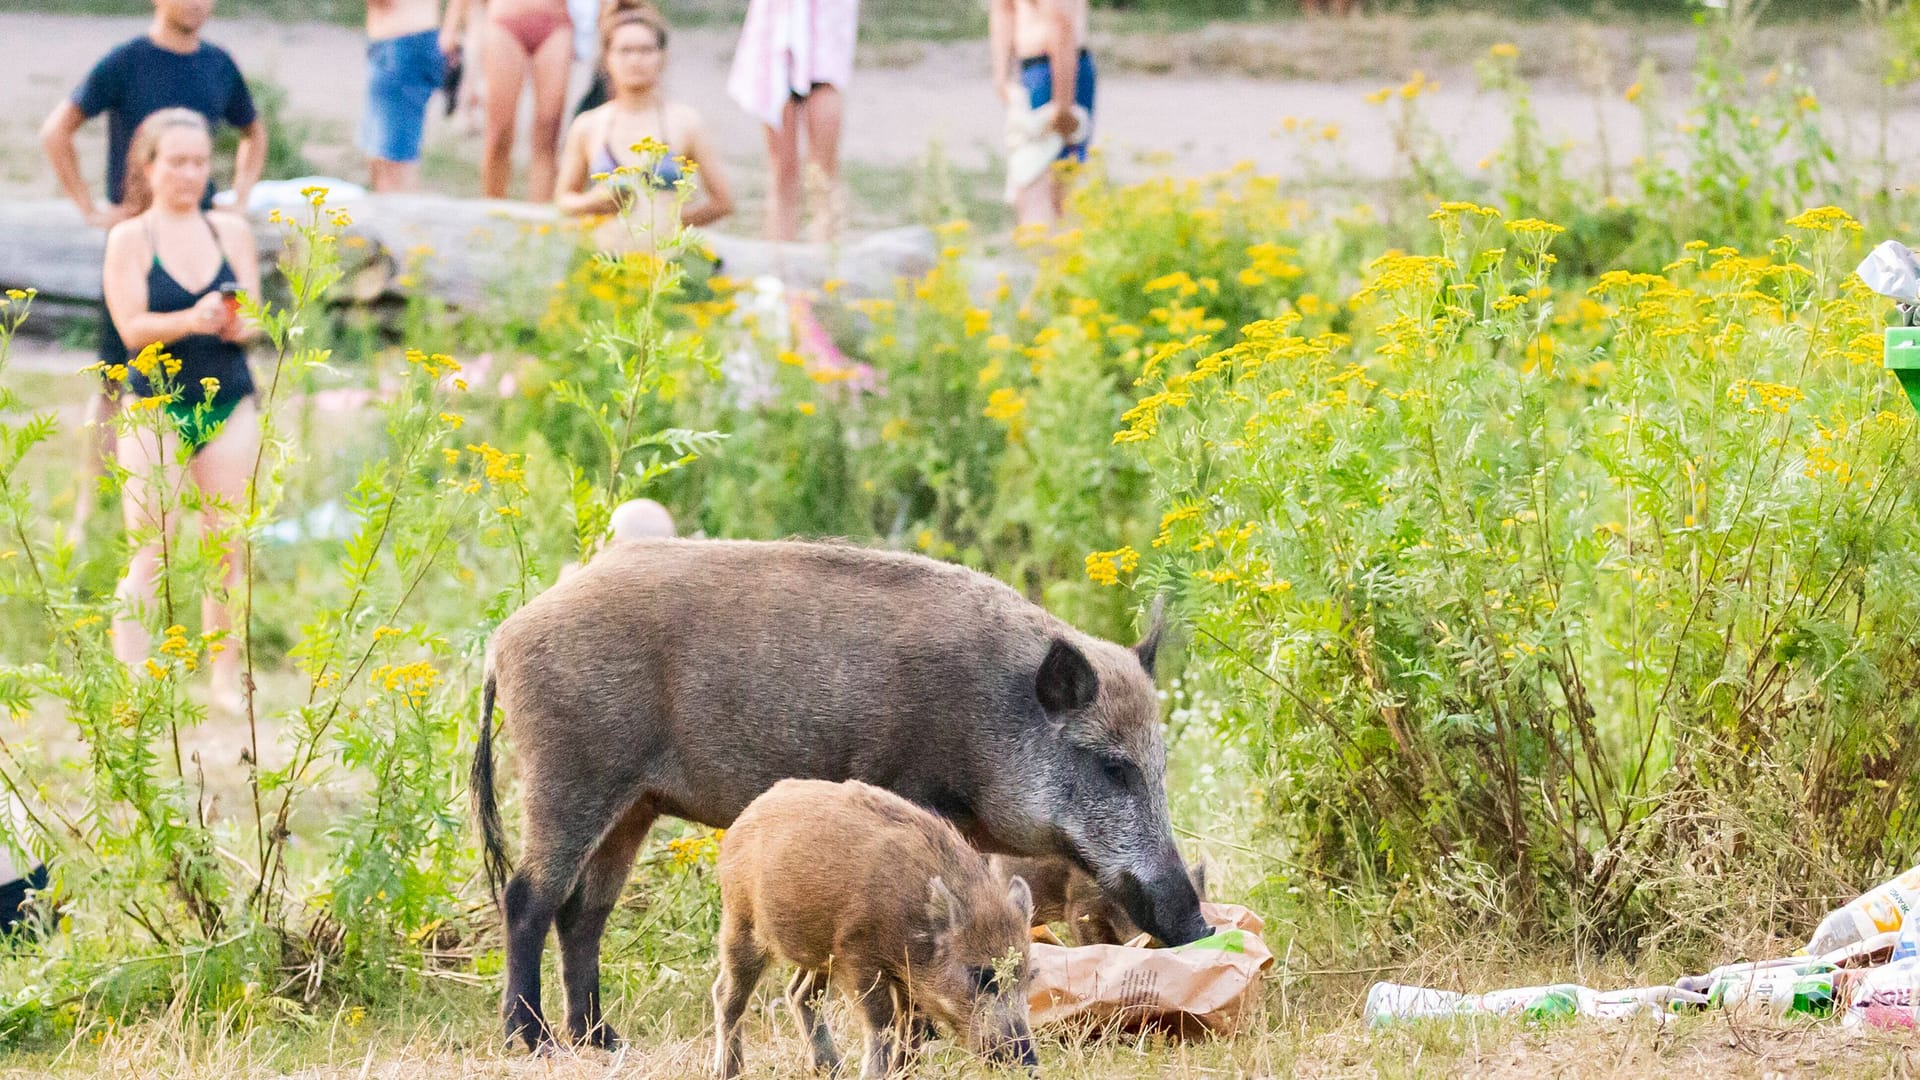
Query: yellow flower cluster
point(154, 360)
point(692, 850)
point(174, 645)
point(435, 364)
point(412, 682)
point(1825, 219)
point(1772, 397)
point(1005, 405)
point(1105, 567)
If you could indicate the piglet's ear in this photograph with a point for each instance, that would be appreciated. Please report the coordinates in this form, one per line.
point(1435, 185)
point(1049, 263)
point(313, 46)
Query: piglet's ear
point(1022, 897)
point(1066, 682)
point(943, 908)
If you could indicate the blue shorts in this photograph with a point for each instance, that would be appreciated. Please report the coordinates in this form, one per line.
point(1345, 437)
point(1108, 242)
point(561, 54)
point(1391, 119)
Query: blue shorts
point(402, 73)
point(1036, 74)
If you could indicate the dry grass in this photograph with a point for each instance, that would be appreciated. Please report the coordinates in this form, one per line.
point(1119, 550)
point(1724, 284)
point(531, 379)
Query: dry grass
point(1313, 1043)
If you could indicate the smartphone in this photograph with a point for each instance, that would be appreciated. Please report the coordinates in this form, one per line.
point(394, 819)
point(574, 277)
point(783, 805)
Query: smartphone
point(230, 292)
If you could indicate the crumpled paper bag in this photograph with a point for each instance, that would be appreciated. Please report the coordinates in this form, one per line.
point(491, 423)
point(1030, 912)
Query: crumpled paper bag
point(1194, 989)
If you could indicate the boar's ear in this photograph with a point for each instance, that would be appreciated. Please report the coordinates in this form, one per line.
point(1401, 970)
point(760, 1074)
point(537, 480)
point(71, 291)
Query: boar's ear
point(1067, 681)
point(1149, 646)
point(1197, 873)
point(1022, 897)
point(943, 908)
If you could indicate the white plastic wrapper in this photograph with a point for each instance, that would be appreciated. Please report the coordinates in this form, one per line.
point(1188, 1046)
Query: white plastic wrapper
point(1891, 270)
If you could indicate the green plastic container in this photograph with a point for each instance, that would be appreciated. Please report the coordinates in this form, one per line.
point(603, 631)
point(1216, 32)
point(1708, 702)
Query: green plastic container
point(1903, 359)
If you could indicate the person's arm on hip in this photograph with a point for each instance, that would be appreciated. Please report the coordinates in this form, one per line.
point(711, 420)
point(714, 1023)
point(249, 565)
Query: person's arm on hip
point(56, 138)
point(249, 161)
point(1063, 54)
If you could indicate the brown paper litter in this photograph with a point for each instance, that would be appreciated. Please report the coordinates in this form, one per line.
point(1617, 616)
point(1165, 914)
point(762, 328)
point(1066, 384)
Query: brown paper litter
point(1202, 987)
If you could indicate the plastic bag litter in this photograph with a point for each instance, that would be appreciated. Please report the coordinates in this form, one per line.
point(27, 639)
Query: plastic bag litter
point(1193, 989)
point(1891, 270)
point(1885, 996)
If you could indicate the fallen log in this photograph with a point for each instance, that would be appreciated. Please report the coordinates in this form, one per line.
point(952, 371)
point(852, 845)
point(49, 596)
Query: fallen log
point(463, 252)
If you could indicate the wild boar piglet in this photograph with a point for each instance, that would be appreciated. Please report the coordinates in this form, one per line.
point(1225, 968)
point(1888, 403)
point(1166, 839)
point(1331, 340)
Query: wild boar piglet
point(1064, 893)
point(879, 901)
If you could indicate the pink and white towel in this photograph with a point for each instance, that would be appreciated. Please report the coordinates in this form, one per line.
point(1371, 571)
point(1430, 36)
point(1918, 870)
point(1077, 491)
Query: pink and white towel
point(789, 46)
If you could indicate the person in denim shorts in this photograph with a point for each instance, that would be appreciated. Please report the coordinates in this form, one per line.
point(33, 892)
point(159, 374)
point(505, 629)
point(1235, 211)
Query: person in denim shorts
point(404, 67)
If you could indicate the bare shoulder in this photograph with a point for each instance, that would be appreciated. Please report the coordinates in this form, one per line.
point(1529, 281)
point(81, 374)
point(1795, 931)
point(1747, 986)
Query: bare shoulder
point(591, 120)
point(228, 225)
point(684, 116)
point(127, 237)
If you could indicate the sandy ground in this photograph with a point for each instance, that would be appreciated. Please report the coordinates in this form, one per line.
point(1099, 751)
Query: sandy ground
point(908, 97)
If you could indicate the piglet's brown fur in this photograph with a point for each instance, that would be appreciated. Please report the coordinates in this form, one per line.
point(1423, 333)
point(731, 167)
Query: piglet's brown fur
point(880, 901)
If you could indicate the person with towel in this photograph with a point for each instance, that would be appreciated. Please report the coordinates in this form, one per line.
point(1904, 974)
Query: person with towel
point(1050, 103)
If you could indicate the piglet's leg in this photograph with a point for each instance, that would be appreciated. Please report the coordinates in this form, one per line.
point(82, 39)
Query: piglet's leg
point(741, 964)
point(803, 997)
point(883, 1010)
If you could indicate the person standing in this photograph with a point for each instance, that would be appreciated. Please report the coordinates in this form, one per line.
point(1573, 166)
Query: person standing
point(170, 66)
point(633, 50)
point(1052, 97)
point(791, 71)
point(404, 67)
point(170, 274)
point(522, 41)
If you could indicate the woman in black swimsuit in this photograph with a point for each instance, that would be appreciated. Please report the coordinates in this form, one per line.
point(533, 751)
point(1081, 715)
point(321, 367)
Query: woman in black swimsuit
point(170, 270)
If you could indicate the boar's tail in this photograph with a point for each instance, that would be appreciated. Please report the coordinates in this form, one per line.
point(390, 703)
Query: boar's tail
point(485, 805)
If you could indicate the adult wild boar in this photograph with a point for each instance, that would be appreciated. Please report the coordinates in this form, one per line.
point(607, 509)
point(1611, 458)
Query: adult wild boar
point(685, 677)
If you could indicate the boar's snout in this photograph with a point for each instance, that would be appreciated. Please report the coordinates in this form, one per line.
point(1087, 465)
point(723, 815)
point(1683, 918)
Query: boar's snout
point(1165, 905)
point(1014, 1046)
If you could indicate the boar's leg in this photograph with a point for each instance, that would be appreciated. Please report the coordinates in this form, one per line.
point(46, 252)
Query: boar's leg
point(804, 995)
point(564, 823)
point(583, 919)
point(883, 1009)
point(742, 962)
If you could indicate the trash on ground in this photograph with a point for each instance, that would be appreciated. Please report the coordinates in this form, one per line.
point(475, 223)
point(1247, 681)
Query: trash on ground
point(1880, 910)
point(1892, 271)
point(1194, 989)
point(1862, 965)
point(1391, 1002)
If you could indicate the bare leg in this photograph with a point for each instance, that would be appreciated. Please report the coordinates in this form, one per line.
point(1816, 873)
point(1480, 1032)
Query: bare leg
point(824, 111)
point(221, 470)
point(102, 408)
point(506, 66)
point(1039, 202)
point(394, 175)
point(803, 997)
point(783, 186)
point(551, 66)
point(147, 499)
point(583, 919)
point(741, 965)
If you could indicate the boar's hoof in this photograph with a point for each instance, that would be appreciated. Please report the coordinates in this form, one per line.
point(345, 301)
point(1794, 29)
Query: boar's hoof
point(601, 1036)
point(527, 1026)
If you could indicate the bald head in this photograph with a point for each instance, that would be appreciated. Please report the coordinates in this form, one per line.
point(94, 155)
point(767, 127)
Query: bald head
point(641, 519)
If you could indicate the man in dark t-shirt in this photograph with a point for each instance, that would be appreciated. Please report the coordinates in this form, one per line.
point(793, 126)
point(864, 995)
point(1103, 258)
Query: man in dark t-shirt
point(168, 66)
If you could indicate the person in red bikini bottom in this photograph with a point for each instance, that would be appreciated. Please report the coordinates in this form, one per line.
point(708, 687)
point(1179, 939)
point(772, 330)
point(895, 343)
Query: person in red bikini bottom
point(520, 37)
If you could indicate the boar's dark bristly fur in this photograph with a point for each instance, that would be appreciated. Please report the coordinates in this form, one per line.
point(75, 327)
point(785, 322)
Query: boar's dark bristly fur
point(686, 677)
